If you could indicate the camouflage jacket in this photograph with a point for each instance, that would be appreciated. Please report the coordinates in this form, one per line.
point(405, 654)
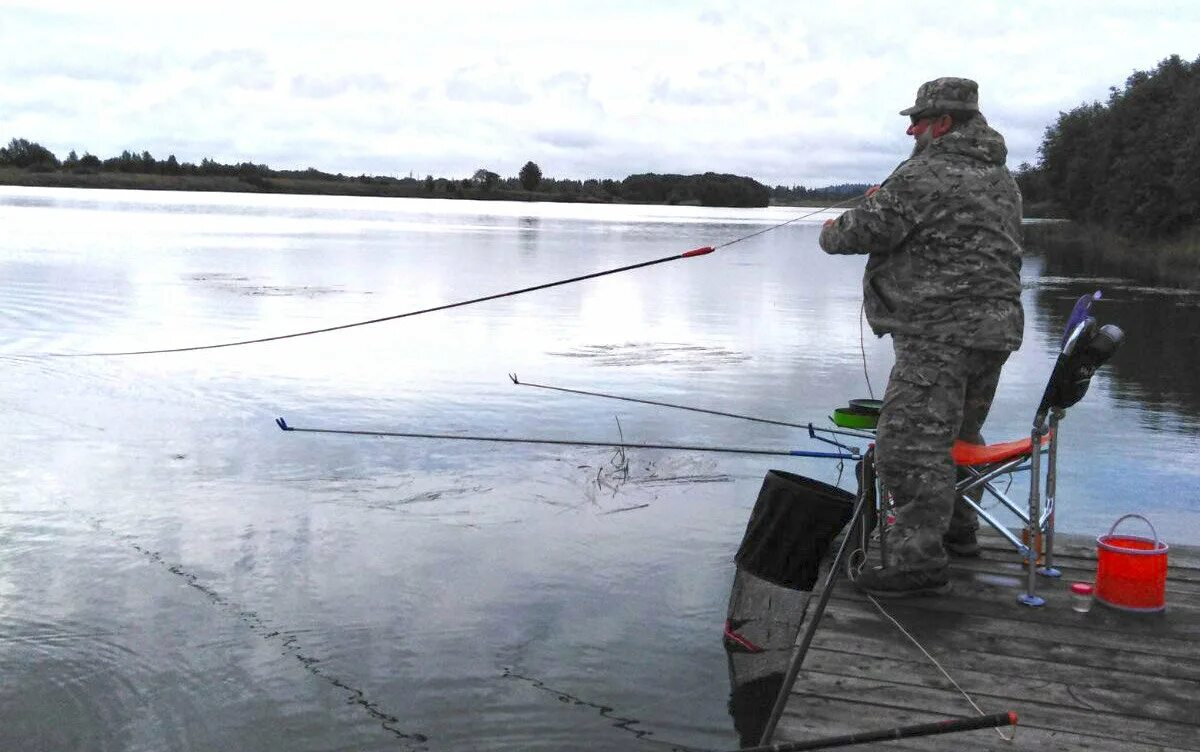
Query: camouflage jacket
point(943, 234)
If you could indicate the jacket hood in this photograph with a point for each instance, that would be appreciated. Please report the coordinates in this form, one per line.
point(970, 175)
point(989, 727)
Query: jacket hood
point(976, 140)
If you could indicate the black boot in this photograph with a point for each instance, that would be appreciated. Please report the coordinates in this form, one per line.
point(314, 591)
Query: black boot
point(961, 543)
point(894, 583)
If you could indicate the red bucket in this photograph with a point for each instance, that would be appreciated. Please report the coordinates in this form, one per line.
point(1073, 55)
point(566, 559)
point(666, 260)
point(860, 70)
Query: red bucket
point(1131, 571)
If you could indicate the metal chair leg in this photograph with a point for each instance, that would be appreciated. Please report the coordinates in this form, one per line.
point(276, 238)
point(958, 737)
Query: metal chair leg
point(1048, 569)
point(1033, 528)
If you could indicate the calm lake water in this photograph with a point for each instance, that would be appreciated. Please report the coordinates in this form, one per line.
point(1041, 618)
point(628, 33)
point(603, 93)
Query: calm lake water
point(177, 573)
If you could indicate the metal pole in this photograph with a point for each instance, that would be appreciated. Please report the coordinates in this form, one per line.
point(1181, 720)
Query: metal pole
point(283, 425)
point(1048, 569)
point(801, 649)
point(903, 732)
point(1033, 526)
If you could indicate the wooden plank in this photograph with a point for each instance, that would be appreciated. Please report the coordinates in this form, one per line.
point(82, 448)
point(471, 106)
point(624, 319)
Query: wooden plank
point(960, 615)
point(1075, 568)
point(1080, 681)
point(1133, 695)
point(1177, 586)
point(809, 716)
point(1033, 714)
point(1084, 547)
point(996, 598)
point(856, 626)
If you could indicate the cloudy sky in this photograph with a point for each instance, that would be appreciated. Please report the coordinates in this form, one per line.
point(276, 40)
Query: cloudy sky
point(786, 92)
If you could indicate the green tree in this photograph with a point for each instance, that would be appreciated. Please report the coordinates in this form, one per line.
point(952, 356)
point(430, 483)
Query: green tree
point(23, 153)
point(90, 163)
point(530, 176)
point(485, 178)
point(1133, 163)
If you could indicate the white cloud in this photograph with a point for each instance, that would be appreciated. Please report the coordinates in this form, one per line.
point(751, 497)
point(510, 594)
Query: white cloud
point(785, 92)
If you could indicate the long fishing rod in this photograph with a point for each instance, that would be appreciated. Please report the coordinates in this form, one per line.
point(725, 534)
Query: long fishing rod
point(902, 732)
point(688, 254)
point(852, 454)
point(702, 251)
point(676, 406)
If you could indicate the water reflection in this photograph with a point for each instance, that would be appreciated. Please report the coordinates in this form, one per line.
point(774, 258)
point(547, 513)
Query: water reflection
point(1158, 362)
point(425, 576)
point(529, 234)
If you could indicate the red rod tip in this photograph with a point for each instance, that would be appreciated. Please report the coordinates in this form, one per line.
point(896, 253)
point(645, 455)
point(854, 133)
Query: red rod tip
point(1012, 718)
point(698, 252)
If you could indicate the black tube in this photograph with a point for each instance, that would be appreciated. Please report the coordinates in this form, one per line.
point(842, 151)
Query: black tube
point(903, 732)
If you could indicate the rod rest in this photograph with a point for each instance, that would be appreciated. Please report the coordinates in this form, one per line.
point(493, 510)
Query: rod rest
point(1074, 370)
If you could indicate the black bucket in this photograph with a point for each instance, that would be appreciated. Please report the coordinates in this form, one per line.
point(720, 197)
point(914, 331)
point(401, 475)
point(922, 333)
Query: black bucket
point(791, 528)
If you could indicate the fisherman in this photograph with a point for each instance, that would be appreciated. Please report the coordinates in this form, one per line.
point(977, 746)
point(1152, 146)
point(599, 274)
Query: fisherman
point(942, 277)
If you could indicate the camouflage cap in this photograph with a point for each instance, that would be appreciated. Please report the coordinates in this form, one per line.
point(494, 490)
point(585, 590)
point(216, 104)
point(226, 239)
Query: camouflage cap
point(945, 95)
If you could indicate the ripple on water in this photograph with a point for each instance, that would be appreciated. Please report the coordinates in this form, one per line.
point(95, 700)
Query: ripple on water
point(36, 313)
point(690, 357)
point(82, 685)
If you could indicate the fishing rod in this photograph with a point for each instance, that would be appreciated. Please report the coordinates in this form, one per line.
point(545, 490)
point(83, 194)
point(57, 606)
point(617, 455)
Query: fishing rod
point(807, 426)
point(701, 251)
point(994, 720)
point(851, 454)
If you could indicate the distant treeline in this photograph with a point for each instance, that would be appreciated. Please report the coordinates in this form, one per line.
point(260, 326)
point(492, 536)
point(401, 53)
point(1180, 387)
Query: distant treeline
point(798, 194)
point(1131, 164)
point(30, 163)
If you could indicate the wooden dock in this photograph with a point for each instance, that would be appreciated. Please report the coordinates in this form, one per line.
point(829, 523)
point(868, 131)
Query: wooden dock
point(1104, 680)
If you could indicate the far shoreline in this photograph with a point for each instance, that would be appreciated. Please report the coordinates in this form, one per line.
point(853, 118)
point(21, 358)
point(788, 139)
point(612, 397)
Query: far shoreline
point(17, 177)
point(1062, 242)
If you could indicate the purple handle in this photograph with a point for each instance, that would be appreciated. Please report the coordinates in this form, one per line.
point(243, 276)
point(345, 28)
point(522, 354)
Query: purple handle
point(1082, 308)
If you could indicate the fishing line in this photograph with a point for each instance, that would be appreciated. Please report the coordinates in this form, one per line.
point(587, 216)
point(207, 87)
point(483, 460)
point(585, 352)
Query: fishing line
point(794, 219)
point(605, 711)
point(812, 430)
point(853, 570)
point(862, 346)
point(290, 645)
point(702, 251)
point(939, 666)
point(513, 377)
point(288, 642)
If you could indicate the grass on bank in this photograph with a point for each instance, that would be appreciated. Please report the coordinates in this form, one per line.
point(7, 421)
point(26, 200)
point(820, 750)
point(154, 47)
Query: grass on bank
point(1097, 251)
point(348, 187)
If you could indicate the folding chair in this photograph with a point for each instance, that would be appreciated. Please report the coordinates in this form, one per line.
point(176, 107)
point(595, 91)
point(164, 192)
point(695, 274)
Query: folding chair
point(1085, 347)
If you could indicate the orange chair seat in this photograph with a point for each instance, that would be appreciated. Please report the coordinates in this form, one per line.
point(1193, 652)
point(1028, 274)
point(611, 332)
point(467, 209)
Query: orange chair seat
point(989, 454)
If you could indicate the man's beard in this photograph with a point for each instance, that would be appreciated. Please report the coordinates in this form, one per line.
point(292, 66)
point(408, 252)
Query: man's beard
point(922, 143)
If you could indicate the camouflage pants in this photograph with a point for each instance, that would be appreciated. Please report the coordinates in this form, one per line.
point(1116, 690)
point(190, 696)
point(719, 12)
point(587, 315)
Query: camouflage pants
point(937, 392)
